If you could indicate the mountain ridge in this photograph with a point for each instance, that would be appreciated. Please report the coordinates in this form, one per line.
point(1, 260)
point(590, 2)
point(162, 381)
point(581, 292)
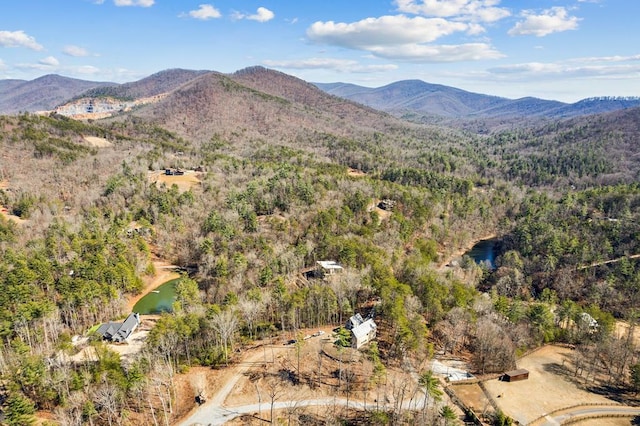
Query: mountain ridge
point(414, 99)
point(427, 99)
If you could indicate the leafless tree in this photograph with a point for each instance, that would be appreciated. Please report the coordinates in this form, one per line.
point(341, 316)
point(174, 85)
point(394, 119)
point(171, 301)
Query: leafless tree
point(225, 323)
point(493, 349)
point(275, 389)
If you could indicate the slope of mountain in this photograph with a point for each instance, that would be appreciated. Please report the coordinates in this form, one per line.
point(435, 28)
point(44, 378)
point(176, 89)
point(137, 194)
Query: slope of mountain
point(156, 84)
point(415, 97)
point(259, 103)
point(418, 96)
point(42, 94)
point(598, 149)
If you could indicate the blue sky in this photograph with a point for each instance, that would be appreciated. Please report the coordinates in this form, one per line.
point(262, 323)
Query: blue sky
point(552, 49)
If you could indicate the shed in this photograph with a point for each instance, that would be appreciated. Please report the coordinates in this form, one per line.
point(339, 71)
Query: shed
point(516, 375)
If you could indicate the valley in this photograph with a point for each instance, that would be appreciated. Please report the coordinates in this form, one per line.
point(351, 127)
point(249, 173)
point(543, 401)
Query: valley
point(240, 184)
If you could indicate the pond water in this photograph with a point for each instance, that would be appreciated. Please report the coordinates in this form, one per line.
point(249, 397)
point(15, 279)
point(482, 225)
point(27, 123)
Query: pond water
point(485, 251)
point(158, 300)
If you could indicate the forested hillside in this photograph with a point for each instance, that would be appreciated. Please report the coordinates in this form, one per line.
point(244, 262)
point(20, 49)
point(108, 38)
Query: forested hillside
point(285, 175)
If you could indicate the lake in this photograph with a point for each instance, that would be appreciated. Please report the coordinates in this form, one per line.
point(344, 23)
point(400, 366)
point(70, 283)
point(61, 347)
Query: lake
point(485, 251)
point(158, 300)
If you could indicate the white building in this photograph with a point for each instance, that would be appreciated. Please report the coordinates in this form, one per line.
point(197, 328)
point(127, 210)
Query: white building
point(363, 333)
point(328, 267)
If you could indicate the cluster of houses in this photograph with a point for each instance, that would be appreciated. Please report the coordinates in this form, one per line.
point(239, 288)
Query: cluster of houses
point(362, 330)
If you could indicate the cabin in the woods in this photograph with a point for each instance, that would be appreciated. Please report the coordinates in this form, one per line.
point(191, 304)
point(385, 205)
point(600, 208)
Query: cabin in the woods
point(118, 332)
point(328, 267)
point(362, 330)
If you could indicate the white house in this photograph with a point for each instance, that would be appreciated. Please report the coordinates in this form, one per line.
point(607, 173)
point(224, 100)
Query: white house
point(328, 267)
point(363, 333)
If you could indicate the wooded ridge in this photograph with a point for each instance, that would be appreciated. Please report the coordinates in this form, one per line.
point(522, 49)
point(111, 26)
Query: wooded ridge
point(277, 175)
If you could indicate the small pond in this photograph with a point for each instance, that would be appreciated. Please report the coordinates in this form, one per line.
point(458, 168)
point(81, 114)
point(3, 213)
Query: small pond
point(158, 300)
point(485, 251)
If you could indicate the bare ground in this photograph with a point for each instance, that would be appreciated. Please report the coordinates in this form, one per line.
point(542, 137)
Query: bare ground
point(184, 182)
point(4, 212)
point(97, 142)
point(272, 368)
point(356, 173)
point(548, 388)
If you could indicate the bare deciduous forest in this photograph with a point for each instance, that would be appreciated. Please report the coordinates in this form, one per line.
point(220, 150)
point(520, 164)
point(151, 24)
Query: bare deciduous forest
point(271, 194)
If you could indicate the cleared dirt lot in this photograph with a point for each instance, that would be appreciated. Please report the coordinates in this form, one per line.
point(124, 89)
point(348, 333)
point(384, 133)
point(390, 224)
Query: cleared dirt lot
point(473, 396)
point(267, 370)
point(547, 388)
point(184, 182)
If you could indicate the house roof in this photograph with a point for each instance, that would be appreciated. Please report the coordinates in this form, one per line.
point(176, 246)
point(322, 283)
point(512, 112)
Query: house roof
point(329, 264)
point(354, 321)
point(518, 372)
point(119, 331)
point(364, 329)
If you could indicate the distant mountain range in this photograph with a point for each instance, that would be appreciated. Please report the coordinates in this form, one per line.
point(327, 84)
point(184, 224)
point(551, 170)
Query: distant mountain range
point(42, 94)
point(415, 100)
point(416, 97)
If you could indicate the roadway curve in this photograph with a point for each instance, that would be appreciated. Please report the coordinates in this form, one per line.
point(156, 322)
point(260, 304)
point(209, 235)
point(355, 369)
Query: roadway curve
point(217, 415)
point(587, 411)
point(215, 412)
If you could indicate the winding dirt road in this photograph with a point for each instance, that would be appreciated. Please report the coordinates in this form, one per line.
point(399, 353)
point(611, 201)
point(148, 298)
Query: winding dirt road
point(584, 412)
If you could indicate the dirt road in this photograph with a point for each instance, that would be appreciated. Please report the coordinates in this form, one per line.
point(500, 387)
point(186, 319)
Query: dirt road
point(576, 413)
point(221, 408)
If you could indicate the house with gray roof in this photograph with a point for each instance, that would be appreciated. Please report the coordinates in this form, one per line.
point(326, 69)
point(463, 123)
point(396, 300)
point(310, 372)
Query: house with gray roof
point(118, 332)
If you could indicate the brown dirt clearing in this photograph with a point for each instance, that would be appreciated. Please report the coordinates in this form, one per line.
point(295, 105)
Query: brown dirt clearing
point(546, 390)
point(356, 173)
point(382, 214)
point(473, 396)
point(4, 212)
point(184, 182)
point(622, 331)
point(97, 142)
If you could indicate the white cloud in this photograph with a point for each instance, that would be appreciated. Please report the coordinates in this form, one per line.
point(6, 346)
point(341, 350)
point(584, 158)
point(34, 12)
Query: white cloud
point(205, 12)
point(143, 3)
point(49, 61)
point(384, 31)
point(262, 15)
point(75, 51)
point(469, 10)
point(403, 38)
point(421, 53)
point(340, 65)
point(86, 70)
point(568, 69)
point(549, 21)
point(18, 39)
point(608, 59)
point(3, 66)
